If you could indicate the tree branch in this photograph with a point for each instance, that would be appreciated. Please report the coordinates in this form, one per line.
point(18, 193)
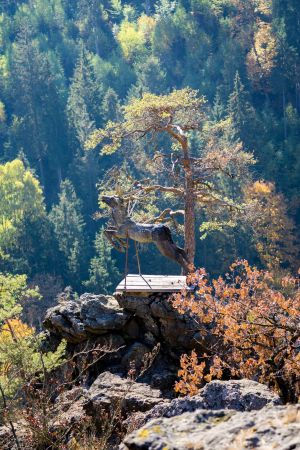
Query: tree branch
point(158, 187)
point(167, 212)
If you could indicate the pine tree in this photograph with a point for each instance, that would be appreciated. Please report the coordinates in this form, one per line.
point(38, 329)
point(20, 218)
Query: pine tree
point(84, 98)
point(111, 108)
point(84, 113)
point(69, 228)
point(242, 114)
point(38, 88)
point(103, 270)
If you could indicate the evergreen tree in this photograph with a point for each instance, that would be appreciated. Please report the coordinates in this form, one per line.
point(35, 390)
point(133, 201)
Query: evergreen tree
point(84, 98)
point(84, 113)
point(103, 270)
point(111, 108)
point(242, 114)
point(37, 84)
point(69, 228)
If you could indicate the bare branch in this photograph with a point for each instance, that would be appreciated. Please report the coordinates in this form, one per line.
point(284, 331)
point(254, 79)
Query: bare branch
point(158, 187)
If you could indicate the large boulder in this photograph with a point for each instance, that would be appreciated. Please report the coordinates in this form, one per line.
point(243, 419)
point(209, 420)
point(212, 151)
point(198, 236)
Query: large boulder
point(271, 427)
point(64, 320)
point(158, 317)
point(147, 319)
point(78, 320)
point(240, 395)
point(110, 392)
point(101, 314)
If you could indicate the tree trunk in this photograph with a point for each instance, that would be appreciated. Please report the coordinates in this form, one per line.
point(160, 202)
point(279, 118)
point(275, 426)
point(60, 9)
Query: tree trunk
point(189, 206)
point(189, 194)
point(189, 221)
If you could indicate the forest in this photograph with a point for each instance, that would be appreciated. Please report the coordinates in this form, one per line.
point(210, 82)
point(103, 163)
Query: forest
point(187, 109)
point(69, 68)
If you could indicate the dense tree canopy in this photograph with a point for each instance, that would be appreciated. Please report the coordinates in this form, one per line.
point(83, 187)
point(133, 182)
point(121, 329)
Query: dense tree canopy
point(70, 69)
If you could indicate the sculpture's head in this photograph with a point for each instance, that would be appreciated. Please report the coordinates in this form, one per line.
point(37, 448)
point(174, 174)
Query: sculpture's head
point(112, 201)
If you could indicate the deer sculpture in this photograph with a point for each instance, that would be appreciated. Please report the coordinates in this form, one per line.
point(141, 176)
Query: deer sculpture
point(124, 228)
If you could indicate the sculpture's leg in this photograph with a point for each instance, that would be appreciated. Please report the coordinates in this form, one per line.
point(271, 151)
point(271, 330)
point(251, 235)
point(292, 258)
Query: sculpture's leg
point(171, 251)
point(111, 236)
point(139, 264)
point(137, 256)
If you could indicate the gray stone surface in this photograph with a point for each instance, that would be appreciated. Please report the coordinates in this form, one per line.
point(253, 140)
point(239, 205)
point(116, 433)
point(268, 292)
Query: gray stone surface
point(134, 356)
point(91, 314)
point(160, 319)
point(111, 390)
point(133, 317)
point(273, 427)
point(240, 395)
point(101, 313)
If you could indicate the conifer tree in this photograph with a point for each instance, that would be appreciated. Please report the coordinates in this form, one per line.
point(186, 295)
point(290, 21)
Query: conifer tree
point(242, 114)
point(84, 98)
point(69, 228)
point(193, 179)
point(37, 84)
point(110, 106)
point(103, 270)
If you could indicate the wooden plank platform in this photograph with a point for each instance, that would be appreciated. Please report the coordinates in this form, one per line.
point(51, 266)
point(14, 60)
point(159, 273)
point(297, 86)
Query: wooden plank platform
point(148, 284)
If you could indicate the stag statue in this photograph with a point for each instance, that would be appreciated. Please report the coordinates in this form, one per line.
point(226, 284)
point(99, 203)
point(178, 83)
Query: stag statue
point(124, 227)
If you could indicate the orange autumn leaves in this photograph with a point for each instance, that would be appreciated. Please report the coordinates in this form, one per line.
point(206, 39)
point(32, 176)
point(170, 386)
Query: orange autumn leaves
point(249, 321)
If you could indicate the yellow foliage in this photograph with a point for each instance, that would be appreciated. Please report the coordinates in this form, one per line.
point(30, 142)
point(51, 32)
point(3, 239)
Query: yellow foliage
point(261, 187)
point(133, 36)
point(20, 195)
point(264, 7)
point(146, 25)
point(14, 329)
point(131, 39)
point(273, 229)
point(4, 72)
point(151, 113)
point(261, 58)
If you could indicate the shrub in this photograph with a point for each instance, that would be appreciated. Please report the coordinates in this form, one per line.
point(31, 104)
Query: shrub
point(249, 321)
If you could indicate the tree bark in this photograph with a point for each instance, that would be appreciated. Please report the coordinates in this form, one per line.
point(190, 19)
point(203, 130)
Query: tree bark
point(189, 193)
point(189, 208)
point(189, 222)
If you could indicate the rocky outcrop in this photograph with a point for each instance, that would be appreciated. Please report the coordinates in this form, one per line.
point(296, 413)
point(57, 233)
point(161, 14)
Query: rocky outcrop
point(110, 391)
point(270, 427)
point(225, 414)
point(79, 320)
point(158, 319)
point(240, 395)
point(146, 319)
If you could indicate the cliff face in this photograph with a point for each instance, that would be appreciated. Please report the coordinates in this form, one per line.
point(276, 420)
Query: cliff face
point(131, 325)
point(140, 387)
point(144, 319)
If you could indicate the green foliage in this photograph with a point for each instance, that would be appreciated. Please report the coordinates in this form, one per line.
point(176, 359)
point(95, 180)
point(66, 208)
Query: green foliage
point(103, 270)
point(21, 205)
point(151, 113)
point(70, 68)
point(21, 359)
point(13, 290)
point(20, 355)
point(69, 228)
